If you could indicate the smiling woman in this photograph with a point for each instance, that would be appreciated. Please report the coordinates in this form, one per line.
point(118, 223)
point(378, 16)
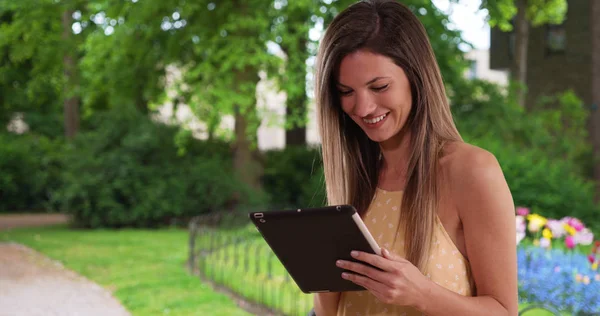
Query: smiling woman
point(440, 208)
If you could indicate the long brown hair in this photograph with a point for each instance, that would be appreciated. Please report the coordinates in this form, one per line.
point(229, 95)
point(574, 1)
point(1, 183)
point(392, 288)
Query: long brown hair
point(351, 160)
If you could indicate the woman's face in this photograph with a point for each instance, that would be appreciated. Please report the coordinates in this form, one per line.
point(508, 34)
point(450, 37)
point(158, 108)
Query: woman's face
point(375, 93)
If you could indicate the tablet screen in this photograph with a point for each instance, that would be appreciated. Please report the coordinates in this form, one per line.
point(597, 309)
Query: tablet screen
point(309, 241)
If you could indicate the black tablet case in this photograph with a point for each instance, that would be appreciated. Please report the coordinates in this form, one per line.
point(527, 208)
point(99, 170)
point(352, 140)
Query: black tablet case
point(309, 241)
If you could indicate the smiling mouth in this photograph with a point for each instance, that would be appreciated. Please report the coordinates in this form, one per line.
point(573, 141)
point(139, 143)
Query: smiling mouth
point(375, 120)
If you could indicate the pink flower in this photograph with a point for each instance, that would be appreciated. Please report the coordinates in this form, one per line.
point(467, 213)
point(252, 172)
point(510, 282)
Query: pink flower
point(570, 242)
point(523, 211)
point(591, 258)
point(574, 222)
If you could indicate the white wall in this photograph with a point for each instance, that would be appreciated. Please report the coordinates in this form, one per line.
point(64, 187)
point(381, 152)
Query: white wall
point(482, 67)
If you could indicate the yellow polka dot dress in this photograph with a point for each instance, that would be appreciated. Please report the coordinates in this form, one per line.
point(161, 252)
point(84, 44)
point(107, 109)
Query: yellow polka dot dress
point(447, 266)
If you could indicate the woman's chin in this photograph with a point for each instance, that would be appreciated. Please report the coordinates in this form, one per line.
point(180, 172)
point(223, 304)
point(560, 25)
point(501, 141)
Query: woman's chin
point(378, 137)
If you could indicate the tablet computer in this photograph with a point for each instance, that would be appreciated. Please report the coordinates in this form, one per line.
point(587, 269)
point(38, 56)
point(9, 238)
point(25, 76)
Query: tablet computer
point(309, 241)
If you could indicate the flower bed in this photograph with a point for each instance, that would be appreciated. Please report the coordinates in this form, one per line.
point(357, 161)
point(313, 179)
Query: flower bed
point(554, 266)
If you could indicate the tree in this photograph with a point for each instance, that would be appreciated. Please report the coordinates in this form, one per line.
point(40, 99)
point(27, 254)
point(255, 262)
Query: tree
point(595, 114)
point(71, 100)
point(222, 53)
point(31, 64)
point(291, 23)
point(126, 54)
point(524, 13)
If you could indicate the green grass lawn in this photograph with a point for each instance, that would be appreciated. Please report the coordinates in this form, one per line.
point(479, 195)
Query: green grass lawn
point(145, 269)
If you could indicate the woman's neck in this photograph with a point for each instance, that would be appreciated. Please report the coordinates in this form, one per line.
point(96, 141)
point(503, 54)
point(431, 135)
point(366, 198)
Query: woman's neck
point(395, 154)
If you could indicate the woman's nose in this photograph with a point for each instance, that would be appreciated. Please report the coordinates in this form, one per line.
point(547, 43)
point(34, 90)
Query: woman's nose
point(364, 105)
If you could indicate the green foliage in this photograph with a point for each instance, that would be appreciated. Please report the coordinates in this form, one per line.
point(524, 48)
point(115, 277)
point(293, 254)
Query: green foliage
point(124, 54)
point(547, 184)
point(128, 172)
point(545, 153)
point(445, 42)
point(500, 13)
point(30, 61)
point(557, 125)
point(294, 177)
point(29, 170)
point(539, 12)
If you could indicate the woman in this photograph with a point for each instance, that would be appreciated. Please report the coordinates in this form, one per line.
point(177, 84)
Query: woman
point(439, 207)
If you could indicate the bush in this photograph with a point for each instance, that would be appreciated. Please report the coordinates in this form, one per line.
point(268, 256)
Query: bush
point(545, 184)
point(544, 153)
point(129, 172)
point(29, 170)
point(293, 177)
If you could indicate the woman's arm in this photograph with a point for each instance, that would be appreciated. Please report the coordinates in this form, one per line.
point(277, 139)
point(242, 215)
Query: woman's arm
point(326, 303)
point(487, 213)
point(486, 210)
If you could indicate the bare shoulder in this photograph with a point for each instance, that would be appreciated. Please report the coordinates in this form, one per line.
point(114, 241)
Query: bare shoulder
point(470, 170)
point(460, 160)
point(485, 208)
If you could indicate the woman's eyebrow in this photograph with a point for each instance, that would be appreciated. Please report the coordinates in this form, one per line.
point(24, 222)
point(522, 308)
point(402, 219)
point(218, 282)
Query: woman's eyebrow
point(368, 82)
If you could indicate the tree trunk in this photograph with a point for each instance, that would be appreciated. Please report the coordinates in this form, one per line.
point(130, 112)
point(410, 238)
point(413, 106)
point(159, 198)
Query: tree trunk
point(245, 163)
point(295, 110)
point(519, 69)
point(595, 113)
point(71, 102)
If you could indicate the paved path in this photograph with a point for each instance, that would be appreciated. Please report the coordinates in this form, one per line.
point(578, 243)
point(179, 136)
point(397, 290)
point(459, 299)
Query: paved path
point(8, 221)
point(31, 284)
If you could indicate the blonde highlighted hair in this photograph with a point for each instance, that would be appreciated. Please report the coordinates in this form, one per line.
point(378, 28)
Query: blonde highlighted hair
point(351, 160)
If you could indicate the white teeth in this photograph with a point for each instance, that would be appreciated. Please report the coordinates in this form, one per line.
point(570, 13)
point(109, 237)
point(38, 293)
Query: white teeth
point(375, 120)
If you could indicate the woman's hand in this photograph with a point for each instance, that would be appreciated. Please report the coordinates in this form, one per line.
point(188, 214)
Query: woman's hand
point(399, 282)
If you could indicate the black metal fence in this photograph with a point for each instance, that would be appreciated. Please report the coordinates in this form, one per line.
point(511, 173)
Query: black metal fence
point(229, 252)
point(232, 254)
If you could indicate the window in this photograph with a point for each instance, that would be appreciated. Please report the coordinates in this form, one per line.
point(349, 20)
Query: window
point(556, 39)
point(472, 71)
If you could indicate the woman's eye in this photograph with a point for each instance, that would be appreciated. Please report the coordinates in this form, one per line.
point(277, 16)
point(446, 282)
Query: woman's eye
point(381, 88)
point(345, 93)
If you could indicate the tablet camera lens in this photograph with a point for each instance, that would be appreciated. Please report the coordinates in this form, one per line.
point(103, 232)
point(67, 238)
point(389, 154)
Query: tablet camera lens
point(339, 208)
point(262, 220)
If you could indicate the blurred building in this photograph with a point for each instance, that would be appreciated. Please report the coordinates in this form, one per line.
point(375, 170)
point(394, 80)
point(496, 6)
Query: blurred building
point(559, 56)
point(271, 106)
point(479, 68)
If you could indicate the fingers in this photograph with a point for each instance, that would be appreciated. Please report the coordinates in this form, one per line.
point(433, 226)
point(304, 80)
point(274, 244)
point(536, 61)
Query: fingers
point(374, 274)
point(387, 262)
point(382, 292)
point(373, 286)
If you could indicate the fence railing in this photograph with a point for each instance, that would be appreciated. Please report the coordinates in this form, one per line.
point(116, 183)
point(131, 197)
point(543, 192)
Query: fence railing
point(232, 254)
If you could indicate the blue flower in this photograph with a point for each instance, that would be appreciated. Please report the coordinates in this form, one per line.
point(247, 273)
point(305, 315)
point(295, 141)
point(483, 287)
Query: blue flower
point(564, 280)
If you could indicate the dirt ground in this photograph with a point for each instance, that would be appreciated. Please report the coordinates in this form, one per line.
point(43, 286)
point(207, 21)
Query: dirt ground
point(31, 220)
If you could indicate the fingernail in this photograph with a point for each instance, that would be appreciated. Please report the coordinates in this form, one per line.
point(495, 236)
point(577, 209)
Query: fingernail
point(354, 253)
point(339, 263)
point(385, 252)
point(345, 275)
